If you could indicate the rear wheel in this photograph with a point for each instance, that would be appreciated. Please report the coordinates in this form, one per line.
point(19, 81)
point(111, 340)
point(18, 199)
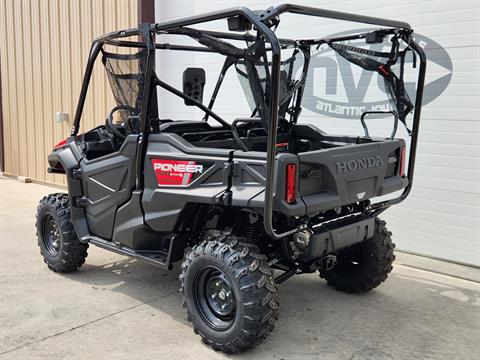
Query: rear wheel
point(363, 266)
point(58, 242)
point(229, 293)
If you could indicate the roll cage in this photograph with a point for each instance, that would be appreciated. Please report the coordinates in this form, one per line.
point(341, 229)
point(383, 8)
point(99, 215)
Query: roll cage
point(264, 24)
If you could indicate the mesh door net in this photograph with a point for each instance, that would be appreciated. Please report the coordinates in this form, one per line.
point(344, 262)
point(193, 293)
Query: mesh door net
point(394, 85)
point(126, 77)
point(254, 77)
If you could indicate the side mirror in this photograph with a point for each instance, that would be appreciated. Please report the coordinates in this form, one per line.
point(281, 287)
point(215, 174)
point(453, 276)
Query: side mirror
point(193, 83)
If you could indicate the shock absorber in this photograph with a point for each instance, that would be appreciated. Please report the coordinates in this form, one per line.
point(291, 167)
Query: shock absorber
point(251, 228)
point(251, 232)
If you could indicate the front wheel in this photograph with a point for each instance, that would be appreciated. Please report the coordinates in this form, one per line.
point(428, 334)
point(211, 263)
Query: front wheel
point(58, 242)
point(363, 266)
point(230, 295)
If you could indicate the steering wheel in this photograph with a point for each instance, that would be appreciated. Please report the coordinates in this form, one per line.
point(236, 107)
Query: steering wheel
point(109, 122)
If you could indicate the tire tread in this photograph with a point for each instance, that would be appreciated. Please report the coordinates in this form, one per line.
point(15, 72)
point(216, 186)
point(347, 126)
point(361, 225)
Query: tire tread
point(380, 265)
point(257, 288)
point(73, 252)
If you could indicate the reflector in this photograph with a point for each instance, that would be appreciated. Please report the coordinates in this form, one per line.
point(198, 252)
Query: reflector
point(403, 153)
point(291, 183)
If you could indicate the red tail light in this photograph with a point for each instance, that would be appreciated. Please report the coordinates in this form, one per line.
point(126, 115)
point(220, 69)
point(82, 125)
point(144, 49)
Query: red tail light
point(60, 144)
point(291, 183)
point(403, 155)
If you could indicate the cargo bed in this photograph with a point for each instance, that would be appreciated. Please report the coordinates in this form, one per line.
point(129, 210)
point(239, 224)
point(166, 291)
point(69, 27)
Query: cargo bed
point(336, 171)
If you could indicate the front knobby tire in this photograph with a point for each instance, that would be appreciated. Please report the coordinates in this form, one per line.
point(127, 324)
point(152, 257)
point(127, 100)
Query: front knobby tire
point(58, 242)
point(364, 266)
point(229, 292)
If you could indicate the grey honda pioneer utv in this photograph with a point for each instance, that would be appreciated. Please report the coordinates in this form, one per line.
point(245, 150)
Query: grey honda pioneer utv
point(245, 203)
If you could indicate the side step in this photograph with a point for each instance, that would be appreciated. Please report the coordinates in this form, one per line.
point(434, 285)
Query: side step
point(155, 257)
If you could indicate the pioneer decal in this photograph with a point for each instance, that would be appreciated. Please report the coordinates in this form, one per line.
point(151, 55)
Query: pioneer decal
point(175, 172)
point(358, 164)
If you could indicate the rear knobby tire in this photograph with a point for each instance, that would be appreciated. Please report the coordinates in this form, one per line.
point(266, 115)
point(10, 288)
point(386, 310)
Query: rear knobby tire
point(254, 293)
point(58, 242)
point(364, 266)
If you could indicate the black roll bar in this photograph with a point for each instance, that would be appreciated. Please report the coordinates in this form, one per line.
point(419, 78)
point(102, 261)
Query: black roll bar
point(259, 20)
point(226, 65)
point(415, 129)
point(337, 15)
point(94, 51)
point(202, 107)
point(272, 133)
point(162, 46)
point(149, 37)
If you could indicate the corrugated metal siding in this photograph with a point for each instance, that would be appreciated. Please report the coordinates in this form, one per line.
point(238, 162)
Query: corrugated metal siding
point(44, 46)
point(441, 218)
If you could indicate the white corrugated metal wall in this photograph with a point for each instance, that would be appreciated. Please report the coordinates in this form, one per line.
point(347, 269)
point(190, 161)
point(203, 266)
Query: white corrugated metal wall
point(441, 218)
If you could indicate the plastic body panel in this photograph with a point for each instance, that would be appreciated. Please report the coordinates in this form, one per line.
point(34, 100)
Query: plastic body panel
point(107, 183)
point(69, 157)
point(130, 229)
point(97, 187)
point(252, 166)
point(244, 181)
point(326, 179)
point(348, 174)
point(340, 175)
point(162, 204)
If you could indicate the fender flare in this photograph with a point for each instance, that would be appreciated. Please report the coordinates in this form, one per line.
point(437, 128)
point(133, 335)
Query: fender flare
point(68, 159)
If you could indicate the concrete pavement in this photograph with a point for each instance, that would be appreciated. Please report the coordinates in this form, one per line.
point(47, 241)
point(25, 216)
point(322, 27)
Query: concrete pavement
point(119, 308)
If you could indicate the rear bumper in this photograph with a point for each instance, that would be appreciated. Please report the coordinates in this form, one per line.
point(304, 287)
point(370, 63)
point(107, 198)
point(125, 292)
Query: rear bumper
point(354, 192)
point(339, 234)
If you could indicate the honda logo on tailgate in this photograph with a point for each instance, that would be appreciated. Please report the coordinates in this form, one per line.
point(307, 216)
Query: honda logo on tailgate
point(358, 164)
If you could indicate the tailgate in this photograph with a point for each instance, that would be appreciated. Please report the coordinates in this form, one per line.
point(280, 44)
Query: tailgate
point(348, 174)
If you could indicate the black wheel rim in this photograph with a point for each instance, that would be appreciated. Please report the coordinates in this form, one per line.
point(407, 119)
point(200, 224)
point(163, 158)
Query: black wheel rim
point(214, 298)
point(51, 235)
